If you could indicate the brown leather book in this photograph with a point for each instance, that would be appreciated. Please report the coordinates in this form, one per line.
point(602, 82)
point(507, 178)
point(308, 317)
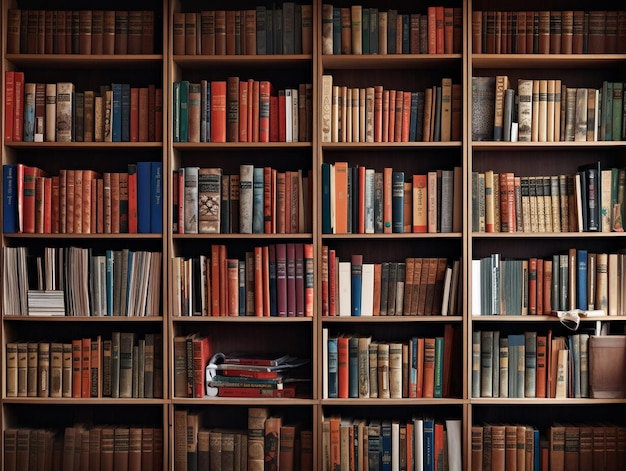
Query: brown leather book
point(135, 28)
point(115, 203)
point(178, 33)
point(121, 32)
point(250, 33)
point(207, 32)
point(232, 109)
point(85, 31)
point(108, 38)
point(220, 32)
point(597, 32)
point(143, 114)
point(345, 22)
point(231, 41)
point(190, 34)
point(555, 32)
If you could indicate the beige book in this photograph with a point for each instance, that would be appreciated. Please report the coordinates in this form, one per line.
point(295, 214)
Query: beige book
point(357, 30)
point(489, 202)
point(354, 101)
point(580, 121)
point(446, 109)
point(369, 114)
point(326, 111)
point(525, 109)
point(51, 111)
point(535, 112)
point(383, 371)
point(344, 114)
point(602, 282)
point(395, 370)
point(550, 112)
point(613, 290)
point(562, 375)
point(557, 110)
point(335, 113)
point(362, 114)
point(543, 110)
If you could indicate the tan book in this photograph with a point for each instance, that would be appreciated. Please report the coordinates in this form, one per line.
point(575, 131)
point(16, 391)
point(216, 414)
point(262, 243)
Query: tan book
point(12, 370)
point(356, 12)
point(326, 110)
point(383, 371)
point(580, 120)
point(256, 437)
point(502, 83)
point(395, 370)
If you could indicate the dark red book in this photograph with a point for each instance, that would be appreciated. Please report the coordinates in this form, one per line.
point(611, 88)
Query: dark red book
point(85, 368)
point(343, 367)
point(201, 356)
point(132, 198)
point(265, 89)
point(9, 104)
point(134, 114)
point(18, 103)
point(28, 199)
point(288, 391)
point(218, 111)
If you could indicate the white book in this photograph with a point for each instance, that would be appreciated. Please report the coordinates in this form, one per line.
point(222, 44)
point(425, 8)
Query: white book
point(191, 200)
point(65, 98)
point(476, 291)
point(453, 432)
point(246, 198)
point(418, 447)
point(447, 282)
point(345, 289)
point(294, 115)
point(367, 291)
point(288, 115)
point(325, 363)
point(395, 446)
point(369, 200)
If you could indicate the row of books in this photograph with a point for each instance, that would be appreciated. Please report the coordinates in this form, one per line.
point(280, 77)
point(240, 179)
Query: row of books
point(80, 31)
point(361, 30)
point(546, 110)
point(566, 446)
point(576, 279)
point(375, 114)
point(82, 201)
point(419, 443)
point(121, 367)
point(257, 200)
point(268, 440)
point(361, 367)
point(592, 200)
point(546, 366)
point(104, 447)
point(548, 32)
point(414, 287)
point(238, 110)
point(57, 112)
point(119, 282)
point(286, 29)
point(360, 200)
point(274, 280)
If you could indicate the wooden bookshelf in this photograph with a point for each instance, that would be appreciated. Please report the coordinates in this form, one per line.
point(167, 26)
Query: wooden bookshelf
point(307, 159)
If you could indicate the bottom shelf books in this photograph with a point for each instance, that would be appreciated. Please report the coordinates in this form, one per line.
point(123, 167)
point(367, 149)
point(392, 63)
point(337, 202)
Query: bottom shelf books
point(563, 446)
point(268, 443)
point(420, 443)
point(106, 448)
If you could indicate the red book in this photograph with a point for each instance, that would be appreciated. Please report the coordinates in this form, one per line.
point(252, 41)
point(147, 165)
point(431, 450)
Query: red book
point(332, 283)
point(258, 281)
point(406, 116)
point(243, 111)
point(18, 106)
point(429, 368)
point(77, 350)
point(232, 268)
point(9, 106)
point(100, 206)
point(115, 203)
point(233, 111)
point(274, 118)
point(391, 113)
point(397, 129)
point(268, 221)
point(432, 30)
point(540, 286)
point(325, 271)
point(256, 103)
point(282, 117)
point(95, 362)
point(342, 367)
point(361, 200)
point(218, 111)
point(134, 114)
point(248, 373)
point(30, 175)
point(132, 198)
point(85, 387)
point(250, 110)
point(201, 356)
point(54, 217)
point(542, 358)
point(299, 279)
point(378, 113)
point(264, 111)
point(309, 271)
point(215, 280)
point(448, 30)
point(94, 205)
point(47, 205)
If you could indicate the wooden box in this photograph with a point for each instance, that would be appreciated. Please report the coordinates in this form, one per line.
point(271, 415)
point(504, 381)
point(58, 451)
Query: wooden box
point(607, 366)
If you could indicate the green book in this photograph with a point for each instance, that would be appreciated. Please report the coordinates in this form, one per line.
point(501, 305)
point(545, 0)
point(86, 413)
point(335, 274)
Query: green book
point(438, 391)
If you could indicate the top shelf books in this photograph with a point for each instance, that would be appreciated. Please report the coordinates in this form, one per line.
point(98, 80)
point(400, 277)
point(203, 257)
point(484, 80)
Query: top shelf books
point(88, 32)
point(549, 32)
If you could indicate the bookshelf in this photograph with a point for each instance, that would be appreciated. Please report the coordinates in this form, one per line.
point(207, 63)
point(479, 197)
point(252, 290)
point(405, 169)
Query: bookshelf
point(210, 246)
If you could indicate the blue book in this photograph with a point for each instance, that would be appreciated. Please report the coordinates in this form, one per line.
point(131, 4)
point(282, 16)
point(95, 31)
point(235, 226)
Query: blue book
point(374, 445)
point(257, 201)
point(357, 280)
point(438, 386)
point(288, 27)
point(536, 450)
point(385, 435)
point(143, 197)
point(397, 202)
point(413, 118)
point(109, 282)
point(176, 111)
point(116, 112)
point(353, 367)
point(272, 277)
point(332, 368)
point(406, 35)
point(156, 197)
point(126, 112)
point(269, 31)
point(261, 35)
point(517, 375)
point(326, 223)
point(9, 201)
point(581, 258)
point(429, 445)
point(336, 30)
point(373, 30)
point(207, 111)
point(183, 102)
point(392, 24)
